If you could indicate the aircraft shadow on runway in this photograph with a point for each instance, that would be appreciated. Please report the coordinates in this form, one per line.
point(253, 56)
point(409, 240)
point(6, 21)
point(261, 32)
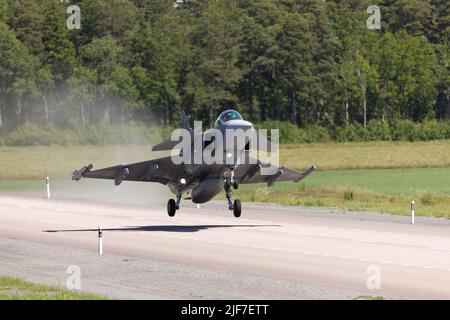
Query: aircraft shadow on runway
point(165, 228)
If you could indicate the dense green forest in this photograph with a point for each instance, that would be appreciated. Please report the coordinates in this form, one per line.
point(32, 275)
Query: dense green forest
point(312, 63)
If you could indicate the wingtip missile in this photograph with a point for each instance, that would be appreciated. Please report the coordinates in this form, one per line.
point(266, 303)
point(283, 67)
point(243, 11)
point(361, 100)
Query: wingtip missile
point(78, 174)
point(306, 173)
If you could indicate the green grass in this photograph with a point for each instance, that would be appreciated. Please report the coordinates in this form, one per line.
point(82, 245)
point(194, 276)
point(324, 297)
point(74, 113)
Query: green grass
point(382, 181)
point(439, 206)
point(383, 190)
point(18, 289)
point(367, 155)
point(32, 186)
point(369, 298)
point(30, 163)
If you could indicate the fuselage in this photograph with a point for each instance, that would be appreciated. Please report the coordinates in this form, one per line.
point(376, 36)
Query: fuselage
point(204, 181)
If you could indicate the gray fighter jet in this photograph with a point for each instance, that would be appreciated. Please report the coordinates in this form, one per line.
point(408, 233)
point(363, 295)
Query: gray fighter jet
point(202, 181)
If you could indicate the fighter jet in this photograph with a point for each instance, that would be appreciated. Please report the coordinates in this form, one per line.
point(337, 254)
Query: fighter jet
point(201, 180)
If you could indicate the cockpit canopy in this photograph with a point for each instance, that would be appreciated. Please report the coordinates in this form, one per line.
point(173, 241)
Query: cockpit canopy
point(228, 115)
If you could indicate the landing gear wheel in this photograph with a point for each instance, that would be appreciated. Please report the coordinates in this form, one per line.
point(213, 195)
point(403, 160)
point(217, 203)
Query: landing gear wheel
point(171, 207)
point(237, 208)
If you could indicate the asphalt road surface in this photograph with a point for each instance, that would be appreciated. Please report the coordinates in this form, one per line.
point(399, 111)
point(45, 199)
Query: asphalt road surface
point(270, 252)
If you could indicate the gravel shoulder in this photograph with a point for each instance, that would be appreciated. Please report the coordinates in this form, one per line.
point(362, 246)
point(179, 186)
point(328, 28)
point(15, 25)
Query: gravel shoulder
point(125, 277)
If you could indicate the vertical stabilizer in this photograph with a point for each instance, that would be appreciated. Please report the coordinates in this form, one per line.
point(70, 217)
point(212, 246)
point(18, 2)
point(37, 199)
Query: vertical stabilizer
point(184, 123)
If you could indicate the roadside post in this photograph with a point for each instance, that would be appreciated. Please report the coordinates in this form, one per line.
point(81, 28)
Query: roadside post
point(413, 209)
point(47, 181)
point(100, 240)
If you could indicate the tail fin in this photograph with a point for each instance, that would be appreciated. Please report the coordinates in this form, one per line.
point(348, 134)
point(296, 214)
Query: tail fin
point(184, 123)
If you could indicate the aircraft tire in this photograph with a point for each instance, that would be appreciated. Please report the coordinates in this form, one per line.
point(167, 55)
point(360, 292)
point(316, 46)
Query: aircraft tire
point(171, 207)
point(237, 208)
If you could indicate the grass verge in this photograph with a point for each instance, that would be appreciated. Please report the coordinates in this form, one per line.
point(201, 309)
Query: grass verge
point(369, 298)
point(18, 289)
point(381, 190)
point(427, 205)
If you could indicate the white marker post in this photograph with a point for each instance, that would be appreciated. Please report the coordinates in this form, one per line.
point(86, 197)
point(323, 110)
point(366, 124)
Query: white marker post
point(47, 181)
point(413, 209)
point(100, 240)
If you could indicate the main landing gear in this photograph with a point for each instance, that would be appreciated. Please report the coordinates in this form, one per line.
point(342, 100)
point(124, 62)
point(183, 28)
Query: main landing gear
point(234, 206)
point(173, 206)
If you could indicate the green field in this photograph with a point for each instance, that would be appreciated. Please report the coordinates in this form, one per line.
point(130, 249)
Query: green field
point(18, 289)
point(384, 190)
point(395, 182)
point(383, 181)
point(382, 176)
point(25, 163)
point(368, 155)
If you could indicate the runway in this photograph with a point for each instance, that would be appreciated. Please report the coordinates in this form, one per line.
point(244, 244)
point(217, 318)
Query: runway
point(393, 260)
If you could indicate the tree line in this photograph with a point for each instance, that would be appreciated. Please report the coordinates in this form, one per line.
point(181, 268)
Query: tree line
point(306, 62)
